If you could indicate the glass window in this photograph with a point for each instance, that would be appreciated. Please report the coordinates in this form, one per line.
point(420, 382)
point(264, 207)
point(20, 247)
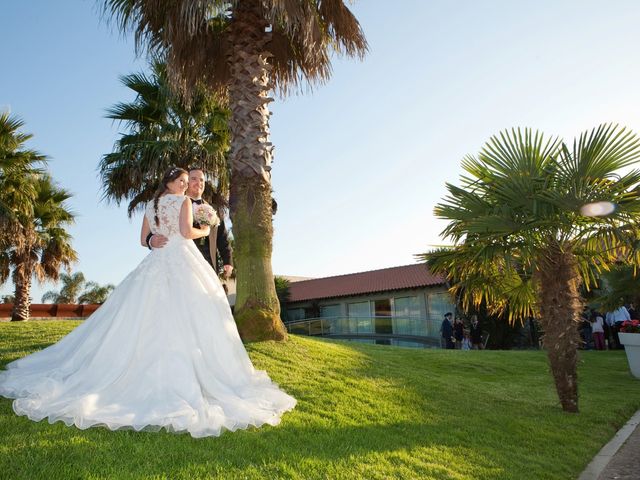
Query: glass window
point(312, 312)
point(360, 320)
point(383, 316)
point(406, 316)
point(438, 304)
point(335, 322)
point(327, 311)
point(294, 314)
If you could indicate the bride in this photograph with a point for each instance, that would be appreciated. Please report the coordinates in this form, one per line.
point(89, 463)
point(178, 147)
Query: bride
point(162, 352)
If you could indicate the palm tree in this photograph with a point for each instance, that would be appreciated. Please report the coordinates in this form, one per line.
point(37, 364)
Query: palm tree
point(42, 245)
point(164, 131)
point(7, 299)
point(621, 282)
point(95, 293)
point(519, 236)
point(283, 291)
point(72, 285)
point(246, 49)
point(18, 166)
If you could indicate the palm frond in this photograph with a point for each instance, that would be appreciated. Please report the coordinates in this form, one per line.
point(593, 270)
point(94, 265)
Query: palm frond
point(197, 38)
point(517, 211)
point(164, 131)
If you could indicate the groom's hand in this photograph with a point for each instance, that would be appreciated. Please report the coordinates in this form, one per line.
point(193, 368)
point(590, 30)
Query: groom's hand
point(227, 270)
point(158, 241)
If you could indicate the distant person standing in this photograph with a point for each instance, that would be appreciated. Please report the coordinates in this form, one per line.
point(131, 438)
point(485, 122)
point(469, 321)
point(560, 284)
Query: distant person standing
point(597, 330)
point(608, 336)
point(447, 331)
point(466, 341)
point(615, 319)
point(476, 333)
point(458, 332)
point(585, 330)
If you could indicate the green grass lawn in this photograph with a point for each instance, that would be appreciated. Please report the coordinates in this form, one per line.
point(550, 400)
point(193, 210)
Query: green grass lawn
point(364, 411)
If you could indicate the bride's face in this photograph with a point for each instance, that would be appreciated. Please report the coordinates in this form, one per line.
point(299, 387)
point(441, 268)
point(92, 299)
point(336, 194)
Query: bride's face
point(179, 185)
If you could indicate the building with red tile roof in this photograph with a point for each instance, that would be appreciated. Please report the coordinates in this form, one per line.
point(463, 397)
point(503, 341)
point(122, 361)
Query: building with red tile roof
point(373, 281)
point(407, 299)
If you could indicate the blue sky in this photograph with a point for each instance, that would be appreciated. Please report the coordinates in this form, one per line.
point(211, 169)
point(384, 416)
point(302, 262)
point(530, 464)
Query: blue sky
point(360, 162)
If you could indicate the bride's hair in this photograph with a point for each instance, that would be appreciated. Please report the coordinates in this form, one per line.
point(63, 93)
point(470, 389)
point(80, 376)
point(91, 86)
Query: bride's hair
point(169, 176)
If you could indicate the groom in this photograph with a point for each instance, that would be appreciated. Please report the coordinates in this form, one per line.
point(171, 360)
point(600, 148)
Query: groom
point(218, 239)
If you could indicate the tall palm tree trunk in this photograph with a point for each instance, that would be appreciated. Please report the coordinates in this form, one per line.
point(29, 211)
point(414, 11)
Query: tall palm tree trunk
point(559, 309)
point(22, 302)
point(257, 310)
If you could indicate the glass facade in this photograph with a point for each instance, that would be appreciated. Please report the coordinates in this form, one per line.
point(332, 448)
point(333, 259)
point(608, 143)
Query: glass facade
point(438, 303)
point(394, 342)
point(294, 314)
point(328, 311)
point(406, 316)
point(411, 313)
point(335, 323)
point(359, 317)
point(383, 322)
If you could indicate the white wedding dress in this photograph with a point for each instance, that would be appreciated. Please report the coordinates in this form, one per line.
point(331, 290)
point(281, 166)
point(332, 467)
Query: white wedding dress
point(162, 351)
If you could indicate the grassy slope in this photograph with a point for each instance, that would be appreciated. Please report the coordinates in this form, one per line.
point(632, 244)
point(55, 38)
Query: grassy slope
point(364, 412)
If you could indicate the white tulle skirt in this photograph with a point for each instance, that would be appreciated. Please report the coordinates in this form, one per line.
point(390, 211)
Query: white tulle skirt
point(162, 352)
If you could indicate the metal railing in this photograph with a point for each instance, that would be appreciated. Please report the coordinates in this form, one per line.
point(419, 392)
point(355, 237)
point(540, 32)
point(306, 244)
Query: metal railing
point(420, 330)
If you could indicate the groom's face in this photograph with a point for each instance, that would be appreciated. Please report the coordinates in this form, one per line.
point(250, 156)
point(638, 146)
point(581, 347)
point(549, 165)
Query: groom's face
point(196, 184)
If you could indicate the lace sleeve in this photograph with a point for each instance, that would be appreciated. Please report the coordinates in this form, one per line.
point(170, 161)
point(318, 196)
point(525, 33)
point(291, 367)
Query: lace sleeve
point(149, 213)
point(180, 202)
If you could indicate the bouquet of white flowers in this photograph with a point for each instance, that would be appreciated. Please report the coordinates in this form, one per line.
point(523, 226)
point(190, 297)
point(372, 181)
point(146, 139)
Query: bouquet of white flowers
point(205, 215)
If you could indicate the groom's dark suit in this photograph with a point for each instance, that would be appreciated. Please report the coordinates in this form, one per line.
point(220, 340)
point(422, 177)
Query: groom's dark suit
point(222, 244)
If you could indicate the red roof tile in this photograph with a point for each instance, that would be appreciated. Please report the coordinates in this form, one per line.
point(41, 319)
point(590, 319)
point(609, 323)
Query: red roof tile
point(393, 278)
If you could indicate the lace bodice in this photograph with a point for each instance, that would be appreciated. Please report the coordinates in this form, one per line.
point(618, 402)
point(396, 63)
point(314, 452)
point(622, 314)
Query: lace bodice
point(168, 215)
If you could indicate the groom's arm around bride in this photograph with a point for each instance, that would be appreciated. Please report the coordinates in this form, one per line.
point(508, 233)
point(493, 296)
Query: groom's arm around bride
point(218, 240)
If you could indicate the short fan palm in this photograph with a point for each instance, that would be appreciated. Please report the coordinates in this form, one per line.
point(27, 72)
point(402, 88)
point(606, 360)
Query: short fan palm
point(520, 241)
